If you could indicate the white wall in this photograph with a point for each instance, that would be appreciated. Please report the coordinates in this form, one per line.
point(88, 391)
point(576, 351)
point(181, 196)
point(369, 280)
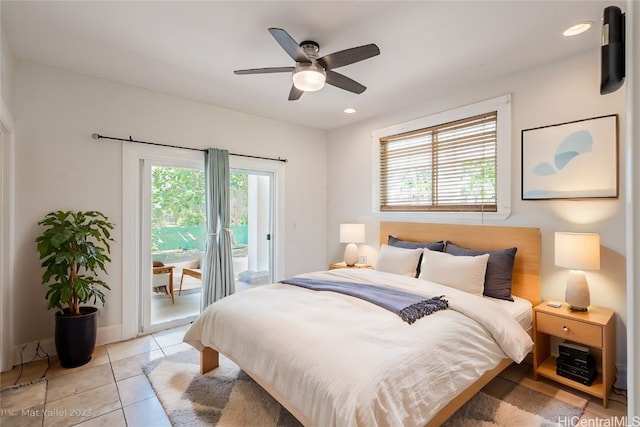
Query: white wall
point(59, 166)
point(6, 70)
point(554, 93)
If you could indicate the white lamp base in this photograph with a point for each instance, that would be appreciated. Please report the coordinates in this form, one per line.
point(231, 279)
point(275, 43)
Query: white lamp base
point(577, 293)
point(351, 254)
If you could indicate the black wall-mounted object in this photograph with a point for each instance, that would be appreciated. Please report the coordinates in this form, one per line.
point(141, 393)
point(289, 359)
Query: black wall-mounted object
point(613, 29)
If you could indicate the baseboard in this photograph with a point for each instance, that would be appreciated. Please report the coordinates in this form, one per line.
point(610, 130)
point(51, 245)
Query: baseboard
point(621, 378)
point(44, 348)
point(109, 334)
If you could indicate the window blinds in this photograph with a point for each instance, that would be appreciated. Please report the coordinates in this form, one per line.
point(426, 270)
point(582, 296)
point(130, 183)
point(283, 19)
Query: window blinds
point(448, 167)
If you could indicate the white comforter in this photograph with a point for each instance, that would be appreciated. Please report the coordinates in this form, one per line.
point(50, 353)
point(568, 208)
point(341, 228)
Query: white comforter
point(341, 361)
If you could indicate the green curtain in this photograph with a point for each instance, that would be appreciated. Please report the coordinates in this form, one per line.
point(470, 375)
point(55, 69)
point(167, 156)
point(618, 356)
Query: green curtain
point(217, 270)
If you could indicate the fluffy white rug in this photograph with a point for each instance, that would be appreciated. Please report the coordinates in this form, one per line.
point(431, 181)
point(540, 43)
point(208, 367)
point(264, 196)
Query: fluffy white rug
point(229, 397)
point(485, 410)
point(224, 397)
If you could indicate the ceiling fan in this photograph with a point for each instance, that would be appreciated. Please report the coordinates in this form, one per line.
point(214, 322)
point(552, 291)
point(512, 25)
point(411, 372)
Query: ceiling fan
point(310, 72)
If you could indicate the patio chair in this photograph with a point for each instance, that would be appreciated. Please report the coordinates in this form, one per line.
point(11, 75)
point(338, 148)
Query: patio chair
point(193, 269)
point(163, 278)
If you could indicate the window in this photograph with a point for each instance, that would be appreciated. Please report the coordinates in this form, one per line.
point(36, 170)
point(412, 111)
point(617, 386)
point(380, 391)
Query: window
point(451, 162)
point(451, 167)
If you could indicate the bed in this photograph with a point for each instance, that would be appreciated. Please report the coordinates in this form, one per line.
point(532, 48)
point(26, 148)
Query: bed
point(335, 360)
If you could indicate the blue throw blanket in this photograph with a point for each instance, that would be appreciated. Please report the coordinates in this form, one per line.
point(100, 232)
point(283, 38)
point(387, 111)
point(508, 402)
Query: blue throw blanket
point(410, 307)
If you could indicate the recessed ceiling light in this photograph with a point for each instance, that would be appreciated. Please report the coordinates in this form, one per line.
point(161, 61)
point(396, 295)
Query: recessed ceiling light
point(579, 28)
point(349, 110)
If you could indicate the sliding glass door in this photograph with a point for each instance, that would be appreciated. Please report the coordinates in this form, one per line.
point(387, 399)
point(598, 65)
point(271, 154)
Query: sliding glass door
point(252, 227)
point(173, 237)
point(174, 233)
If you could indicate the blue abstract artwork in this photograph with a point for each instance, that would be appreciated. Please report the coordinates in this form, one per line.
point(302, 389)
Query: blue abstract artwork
point(575, 144)
point(571, 160)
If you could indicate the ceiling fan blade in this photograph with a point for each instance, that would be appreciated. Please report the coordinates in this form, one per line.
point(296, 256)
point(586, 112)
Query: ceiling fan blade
point(265, 70)
point(344, 82)
point(295, 93)
point(348, 56)
point(289, 45)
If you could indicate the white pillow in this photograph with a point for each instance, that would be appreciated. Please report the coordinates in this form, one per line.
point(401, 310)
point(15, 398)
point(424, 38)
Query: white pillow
point(398, 260)
point(465, 273)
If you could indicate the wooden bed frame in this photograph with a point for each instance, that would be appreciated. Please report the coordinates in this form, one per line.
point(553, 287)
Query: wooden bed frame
point(526, 284)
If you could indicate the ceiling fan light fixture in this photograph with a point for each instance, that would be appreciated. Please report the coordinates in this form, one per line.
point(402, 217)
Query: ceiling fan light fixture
point(311, 72)
point(309, 77)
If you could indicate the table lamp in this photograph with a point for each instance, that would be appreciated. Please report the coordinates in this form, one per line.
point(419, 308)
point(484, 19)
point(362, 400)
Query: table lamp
point(351, 234)
point(578, 252)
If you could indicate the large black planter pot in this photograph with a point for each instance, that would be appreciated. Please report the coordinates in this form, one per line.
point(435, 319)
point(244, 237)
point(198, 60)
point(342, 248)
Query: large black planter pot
point(76, 336)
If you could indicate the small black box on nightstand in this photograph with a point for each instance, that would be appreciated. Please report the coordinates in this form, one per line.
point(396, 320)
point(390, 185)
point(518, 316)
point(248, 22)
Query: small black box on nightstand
point(575, 362)
point(574, 352)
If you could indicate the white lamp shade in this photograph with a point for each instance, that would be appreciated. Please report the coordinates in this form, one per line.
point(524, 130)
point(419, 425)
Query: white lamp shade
point(352, 233)
point(578, 251)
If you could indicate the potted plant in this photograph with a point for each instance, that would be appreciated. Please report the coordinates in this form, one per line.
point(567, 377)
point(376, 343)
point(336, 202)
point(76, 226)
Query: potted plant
point(74, 247)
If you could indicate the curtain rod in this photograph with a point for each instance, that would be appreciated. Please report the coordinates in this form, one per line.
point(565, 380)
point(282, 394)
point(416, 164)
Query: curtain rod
point(98, 136)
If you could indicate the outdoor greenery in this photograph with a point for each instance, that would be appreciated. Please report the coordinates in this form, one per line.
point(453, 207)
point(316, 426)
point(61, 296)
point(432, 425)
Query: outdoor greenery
point(239, 185)
point(479, 177)
point(418, 186)
point(74, 247)
point(177, 197)
point(178, 206)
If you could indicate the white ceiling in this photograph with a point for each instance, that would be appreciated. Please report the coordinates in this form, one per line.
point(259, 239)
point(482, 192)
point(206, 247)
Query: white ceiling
point(190, 49)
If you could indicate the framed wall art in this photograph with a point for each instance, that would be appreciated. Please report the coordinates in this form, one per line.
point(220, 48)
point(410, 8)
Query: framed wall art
point(572, 160)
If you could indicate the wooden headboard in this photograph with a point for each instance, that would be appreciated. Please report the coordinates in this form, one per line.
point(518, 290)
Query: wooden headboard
point(526, 269)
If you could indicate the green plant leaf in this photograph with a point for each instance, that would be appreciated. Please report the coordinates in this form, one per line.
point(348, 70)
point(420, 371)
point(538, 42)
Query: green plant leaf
point(72, 243)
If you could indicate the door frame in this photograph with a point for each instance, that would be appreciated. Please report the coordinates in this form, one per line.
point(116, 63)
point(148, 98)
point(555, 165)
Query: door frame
point(133, 156)
point(7, 192)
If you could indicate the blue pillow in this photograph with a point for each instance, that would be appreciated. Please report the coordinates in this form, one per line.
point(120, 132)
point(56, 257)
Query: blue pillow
point(432, 246)
point(497, 279)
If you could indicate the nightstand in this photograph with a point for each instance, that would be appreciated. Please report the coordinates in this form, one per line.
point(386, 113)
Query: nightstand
point(343, 265)
point(594, 329)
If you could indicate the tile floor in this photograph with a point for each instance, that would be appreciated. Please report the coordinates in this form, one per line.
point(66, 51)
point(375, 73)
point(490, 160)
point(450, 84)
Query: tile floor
point(112, 390)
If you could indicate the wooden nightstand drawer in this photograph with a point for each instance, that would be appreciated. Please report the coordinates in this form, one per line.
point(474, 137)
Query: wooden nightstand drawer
point(572, 330)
